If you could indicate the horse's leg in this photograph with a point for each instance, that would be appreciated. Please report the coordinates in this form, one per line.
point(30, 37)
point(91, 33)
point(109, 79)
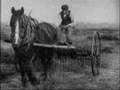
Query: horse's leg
point(46, 57)
point(22, 72)
point(30, 74)
point(48, 66)
point(50, 62)
point(44, 73)
point(17, 66)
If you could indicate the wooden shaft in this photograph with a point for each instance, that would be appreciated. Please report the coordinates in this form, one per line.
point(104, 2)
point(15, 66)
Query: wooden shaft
point(54, 46)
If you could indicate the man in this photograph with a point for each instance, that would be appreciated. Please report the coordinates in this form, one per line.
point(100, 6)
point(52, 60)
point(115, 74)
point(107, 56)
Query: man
point(67, 19)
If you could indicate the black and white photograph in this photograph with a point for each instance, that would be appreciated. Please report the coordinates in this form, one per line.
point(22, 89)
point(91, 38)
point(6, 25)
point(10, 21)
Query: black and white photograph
point(59, 45)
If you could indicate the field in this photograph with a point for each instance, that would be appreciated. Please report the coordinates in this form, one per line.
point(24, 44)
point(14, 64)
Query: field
point(68, 73)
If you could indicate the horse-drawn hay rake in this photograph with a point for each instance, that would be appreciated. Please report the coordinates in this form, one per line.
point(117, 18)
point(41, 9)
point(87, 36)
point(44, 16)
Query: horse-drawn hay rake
point(94, 54)
point(31, 40)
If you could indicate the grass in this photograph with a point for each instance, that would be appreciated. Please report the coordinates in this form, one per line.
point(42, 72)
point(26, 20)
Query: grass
point(70, 73)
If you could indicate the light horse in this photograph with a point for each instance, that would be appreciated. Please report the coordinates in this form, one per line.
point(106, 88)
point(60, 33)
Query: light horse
point(24, 32)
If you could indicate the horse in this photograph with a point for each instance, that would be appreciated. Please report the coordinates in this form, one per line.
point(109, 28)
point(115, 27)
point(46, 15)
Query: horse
point(26, 30)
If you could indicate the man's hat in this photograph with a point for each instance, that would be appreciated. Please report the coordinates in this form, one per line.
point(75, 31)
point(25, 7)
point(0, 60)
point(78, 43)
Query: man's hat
point(64, 7)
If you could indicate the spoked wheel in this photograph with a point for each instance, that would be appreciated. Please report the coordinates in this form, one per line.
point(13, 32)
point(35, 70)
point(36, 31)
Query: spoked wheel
point(96, 53)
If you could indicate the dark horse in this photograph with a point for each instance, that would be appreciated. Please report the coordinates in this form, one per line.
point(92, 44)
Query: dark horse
point(24, 32)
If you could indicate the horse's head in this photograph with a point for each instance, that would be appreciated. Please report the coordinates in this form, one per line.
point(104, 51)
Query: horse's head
point(17, 27)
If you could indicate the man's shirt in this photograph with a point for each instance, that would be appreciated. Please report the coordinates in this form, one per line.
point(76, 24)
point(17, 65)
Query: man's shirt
point(65, 19)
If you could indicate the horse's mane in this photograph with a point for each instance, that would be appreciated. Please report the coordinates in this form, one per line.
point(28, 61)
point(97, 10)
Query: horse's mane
point(29, 25)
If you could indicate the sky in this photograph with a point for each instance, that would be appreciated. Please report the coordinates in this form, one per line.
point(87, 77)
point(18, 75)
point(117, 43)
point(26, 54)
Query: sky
point(86, 11)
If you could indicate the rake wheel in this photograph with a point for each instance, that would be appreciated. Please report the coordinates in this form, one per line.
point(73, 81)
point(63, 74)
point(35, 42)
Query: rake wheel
point(96, 53)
